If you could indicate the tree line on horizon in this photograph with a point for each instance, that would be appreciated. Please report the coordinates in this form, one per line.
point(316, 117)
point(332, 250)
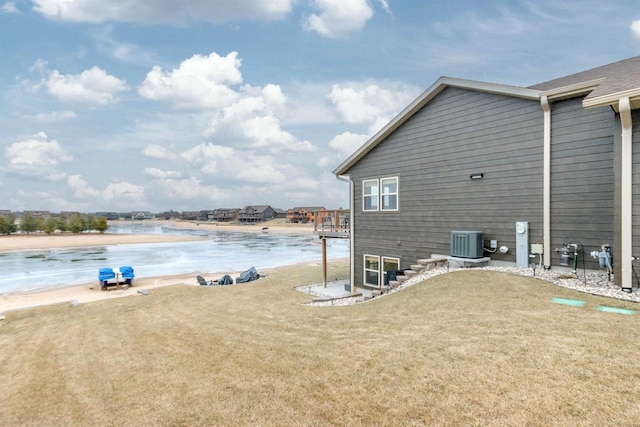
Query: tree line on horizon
point(75, 224)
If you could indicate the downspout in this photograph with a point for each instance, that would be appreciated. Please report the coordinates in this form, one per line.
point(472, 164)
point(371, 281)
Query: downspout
point(626, 195)
point(546, 182)
point(352, 276)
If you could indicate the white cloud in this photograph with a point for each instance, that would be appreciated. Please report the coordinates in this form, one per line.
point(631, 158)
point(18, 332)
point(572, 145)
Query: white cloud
point(158, 152)
point(338, 18)
point(9, 7)
point(209, 157)
point(369, 102)
point(200, 82)
point(121, 192)
point(385, 6)
point(347, 142)
point(93, 86)
point(218, 160)
point(37, 157)
point(160, 174)
point(635, 33)
point(265, 131)
point(127, 52)
point(81, 188)
point(163, 12)
point(53, 116)
point(189, 189)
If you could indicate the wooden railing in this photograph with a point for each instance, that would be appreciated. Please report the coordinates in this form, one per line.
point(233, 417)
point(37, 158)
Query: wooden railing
point(332, 223)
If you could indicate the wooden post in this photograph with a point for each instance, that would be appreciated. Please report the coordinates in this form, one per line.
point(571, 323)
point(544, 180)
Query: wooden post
point(324, 261)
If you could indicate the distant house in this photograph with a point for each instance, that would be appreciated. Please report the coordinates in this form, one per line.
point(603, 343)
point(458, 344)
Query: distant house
point(38, 214)
point(303, 214)
point(68, 214)
point(224, 214)
point(141, 215)
point(280, 213)
point(4, 213)
point(255, 214)
point(559, 161)
point(111, 216)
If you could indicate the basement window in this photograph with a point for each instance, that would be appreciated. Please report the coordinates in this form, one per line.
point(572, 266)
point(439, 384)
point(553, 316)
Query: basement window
point(389, 264)
point(372, 270)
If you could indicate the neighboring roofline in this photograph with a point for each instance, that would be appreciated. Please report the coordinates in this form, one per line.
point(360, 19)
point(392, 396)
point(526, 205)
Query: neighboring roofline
point(425, 98)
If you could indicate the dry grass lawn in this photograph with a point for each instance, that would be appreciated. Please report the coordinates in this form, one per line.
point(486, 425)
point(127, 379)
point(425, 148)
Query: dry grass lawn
point(467, 348)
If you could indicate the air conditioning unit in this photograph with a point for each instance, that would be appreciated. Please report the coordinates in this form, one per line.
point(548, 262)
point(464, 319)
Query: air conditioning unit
point(466, 244)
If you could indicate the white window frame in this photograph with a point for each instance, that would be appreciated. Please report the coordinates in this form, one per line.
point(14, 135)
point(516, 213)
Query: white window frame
point(396, 193)
point(376, 195)
point(365, 269)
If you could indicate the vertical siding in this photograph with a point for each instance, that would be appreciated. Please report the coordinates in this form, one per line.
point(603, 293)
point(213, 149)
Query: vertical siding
point(433, 153)
point(582, 176)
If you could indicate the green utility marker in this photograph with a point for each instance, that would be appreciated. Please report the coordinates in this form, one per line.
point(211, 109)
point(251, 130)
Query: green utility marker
point(616, 310)
point(566, 301)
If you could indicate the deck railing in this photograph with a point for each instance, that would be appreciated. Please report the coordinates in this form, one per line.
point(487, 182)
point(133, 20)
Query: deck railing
point(332, 223)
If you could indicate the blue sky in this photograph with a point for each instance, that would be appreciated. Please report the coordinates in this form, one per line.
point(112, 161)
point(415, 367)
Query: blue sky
point(196, 104)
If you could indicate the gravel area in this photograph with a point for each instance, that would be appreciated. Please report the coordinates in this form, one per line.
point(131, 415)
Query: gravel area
point(591, 282)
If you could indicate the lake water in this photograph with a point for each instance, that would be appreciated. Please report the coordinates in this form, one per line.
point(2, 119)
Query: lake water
point(221, 252)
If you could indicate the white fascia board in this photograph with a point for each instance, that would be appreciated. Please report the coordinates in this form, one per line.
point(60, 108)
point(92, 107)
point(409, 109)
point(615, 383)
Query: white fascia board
point(573, 90)
point(612, 99)
point(424, 99)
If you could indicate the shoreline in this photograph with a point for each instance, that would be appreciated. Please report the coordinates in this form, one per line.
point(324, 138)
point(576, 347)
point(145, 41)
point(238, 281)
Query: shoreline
point(20, 242)
point(89, 292)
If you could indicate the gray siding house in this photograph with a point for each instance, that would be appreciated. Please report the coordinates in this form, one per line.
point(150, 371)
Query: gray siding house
point(254, 214)
point(563, 156)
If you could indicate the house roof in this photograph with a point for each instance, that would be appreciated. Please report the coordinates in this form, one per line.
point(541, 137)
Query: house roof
point(307, 208)
point(603, 86)
point(257, 208)
point(613, 78)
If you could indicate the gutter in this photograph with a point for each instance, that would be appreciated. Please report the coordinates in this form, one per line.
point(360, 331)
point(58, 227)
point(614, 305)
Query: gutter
point(546, 183)
point(626, 195)
point(352, 276)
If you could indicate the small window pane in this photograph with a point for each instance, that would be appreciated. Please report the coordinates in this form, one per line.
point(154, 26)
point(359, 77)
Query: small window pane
point(390, 264)
point(389, 193)
point(390, 202)
point(371, 263)
point(370, 195)
point(371, 270)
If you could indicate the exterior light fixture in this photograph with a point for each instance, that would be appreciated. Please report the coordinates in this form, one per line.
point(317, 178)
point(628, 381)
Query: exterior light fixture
point(477, 175)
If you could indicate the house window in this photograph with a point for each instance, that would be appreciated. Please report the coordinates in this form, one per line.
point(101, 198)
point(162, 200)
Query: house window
point(389, 194)
point(372, 270)
point(370, 195)
point(389, 264)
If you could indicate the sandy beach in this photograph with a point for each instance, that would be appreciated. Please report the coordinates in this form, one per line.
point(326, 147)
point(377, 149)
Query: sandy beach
point(84, 293)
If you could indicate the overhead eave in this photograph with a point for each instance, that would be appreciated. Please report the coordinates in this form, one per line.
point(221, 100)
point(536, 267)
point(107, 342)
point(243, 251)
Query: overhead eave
point(571, 91)
point(613, 98)
point(425, 98)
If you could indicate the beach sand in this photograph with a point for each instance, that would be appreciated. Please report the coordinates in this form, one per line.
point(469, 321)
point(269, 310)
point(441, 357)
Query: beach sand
point(84, 293)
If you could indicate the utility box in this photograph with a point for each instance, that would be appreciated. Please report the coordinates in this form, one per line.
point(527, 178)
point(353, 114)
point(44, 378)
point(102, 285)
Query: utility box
point(467, 244)
point(522, 244)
